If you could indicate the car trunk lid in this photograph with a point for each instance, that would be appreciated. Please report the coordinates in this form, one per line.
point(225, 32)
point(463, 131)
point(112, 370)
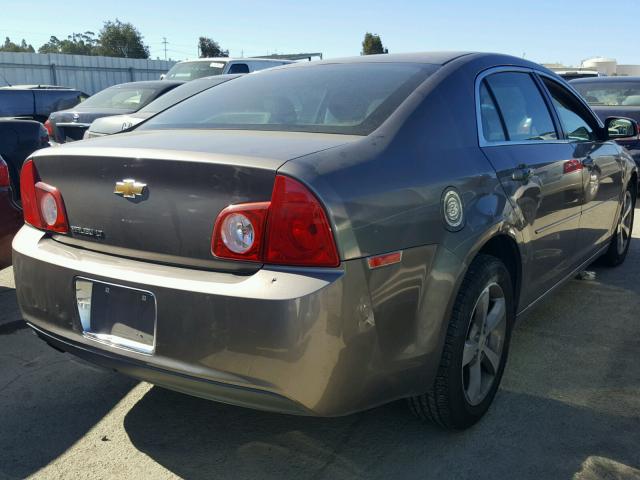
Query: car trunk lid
point(183, 180)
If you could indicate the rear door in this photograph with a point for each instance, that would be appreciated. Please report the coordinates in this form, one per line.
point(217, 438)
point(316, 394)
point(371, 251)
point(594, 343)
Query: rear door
point(599, 161)
point(520, 136)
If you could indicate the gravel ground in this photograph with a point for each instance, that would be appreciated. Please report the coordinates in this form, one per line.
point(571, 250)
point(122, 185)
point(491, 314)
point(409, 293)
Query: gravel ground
point(569, 407)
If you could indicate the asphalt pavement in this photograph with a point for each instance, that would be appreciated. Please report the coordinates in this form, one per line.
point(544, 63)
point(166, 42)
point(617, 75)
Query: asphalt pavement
point(569, 407)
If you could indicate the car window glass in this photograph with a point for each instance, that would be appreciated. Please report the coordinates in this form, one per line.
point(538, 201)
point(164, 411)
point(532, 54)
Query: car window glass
point(571, 113)
point(331, 98)
point(491, 123)
point(191, 70)
point(526, 116)
point(610, 93)
point(239, 68)
point(124, 97)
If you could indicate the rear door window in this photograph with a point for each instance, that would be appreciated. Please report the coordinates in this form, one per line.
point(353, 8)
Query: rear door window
point(521, 107)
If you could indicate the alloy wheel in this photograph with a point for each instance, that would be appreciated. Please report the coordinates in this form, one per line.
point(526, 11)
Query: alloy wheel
point(625, 223)
point(484, 344)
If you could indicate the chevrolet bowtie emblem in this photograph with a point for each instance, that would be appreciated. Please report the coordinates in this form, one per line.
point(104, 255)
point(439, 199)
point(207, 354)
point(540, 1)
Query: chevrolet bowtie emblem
point(129, 188)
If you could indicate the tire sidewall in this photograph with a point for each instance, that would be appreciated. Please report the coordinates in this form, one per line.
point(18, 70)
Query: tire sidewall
point(466, 413)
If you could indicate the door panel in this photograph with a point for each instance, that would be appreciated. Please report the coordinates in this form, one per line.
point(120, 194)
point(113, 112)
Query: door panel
point(602, 175)
point(536, 168)
point(547, 203)
point(601, 167)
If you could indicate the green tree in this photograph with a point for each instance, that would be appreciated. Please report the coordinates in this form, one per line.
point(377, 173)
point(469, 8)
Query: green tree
point(372, 44)
point(9, 46)
point(119, 39)
point(210, 48)
point(75, 44)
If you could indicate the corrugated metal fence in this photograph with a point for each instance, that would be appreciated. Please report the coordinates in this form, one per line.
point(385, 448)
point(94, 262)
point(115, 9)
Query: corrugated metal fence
point(88, 74)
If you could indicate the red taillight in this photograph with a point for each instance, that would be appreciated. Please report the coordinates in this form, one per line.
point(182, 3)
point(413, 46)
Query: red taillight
point(298, 232)
point(292, 229)
point(49, 128)
point(572, 165)
point(42, 204)
point(4, 174)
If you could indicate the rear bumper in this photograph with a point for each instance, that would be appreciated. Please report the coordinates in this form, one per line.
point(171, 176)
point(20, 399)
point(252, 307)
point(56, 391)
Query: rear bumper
point(181, 382)
point(10, 223)
point(303, 341)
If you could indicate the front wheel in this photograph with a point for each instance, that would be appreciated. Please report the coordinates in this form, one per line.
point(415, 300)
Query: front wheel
point(621, 239)
point(475, 350)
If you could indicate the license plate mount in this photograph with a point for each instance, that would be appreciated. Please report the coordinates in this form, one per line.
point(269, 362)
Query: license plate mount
point(117, 315)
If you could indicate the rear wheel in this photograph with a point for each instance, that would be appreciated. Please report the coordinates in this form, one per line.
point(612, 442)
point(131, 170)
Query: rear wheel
point(475, 350)
point(621, 239)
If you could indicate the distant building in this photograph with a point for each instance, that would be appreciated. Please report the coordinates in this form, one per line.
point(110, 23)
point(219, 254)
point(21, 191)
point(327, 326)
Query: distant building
point(602, 65)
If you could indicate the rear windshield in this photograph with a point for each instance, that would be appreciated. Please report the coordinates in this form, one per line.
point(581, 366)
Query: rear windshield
point(191, 70)
point(610, 93)
point(331, 98)
point(187, 90)
point(121, 97)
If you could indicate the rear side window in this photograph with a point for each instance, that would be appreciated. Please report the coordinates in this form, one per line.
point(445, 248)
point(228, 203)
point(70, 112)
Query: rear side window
point(238, 68)
point(574, 119)
point(492, 127)
point(331, 98)
point(521, 106)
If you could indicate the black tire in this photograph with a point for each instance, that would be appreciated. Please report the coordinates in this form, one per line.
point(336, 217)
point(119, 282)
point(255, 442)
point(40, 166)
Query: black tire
point(615, 255)
point(447, 403)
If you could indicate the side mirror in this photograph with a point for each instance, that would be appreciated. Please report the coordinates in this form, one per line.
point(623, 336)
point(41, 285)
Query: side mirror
point(620, 127)
point(162, 76)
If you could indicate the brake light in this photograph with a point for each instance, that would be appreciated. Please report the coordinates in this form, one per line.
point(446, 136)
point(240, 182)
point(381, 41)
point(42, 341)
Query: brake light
point(44, 135)
point(298, 232)
point(42, 203)
point(572, 165)
point(4, 174)
point(292, 229)
point(49, 128)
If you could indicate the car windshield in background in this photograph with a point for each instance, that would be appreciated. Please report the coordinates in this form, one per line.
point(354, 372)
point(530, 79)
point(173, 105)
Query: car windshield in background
point(191, 70)
point(121, 97)
point(332, 98)
point(610, 93)
point(183, 91)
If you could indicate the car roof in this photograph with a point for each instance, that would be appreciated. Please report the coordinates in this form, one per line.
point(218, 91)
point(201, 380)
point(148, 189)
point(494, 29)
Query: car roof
point(607, 80)
point(36, 87)
point(149, 84)
point(237, 59)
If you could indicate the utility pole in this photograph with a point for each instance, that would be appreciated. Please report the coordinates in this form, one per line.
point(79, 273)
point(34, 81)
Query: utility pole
point(164, 41)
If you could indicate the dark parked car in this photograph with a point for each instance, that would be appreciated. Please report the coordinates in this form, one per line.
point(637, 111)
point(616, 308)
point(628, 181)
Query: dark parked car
point(36, 102)
point(18, 140)
point(614, 96)
point(119, 123)
point(70, 125)
point(322, 238)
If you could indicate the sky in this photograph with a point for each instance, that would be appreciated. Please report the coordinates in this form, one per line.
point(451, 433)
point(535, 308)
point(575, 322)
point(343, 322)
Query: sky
point(564, 31)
